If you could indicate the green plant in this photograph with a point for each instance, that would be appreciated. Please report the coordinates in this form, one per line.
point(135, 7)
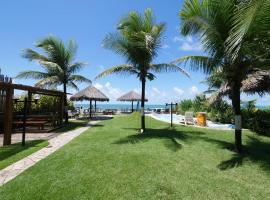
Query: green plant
point(58, 65)
point(184, 106)
point(138, 40)
point(213, 21)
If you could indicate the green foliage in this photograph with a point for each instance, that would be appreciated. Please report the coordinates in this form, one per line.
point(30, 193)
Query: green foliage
point(185, 105)
point(200, 103)
point(44, 104)
point(57, 62)
point(221, 111)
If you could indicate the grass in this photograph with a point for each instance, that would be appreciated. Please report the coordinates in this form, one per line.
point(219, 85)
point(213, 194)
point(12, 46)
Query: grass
point(111, 161)
point(15, 152)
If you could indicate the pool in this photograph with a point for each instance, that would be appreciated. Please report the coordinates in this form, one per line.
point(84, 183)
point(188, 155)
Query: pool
point(180, 118)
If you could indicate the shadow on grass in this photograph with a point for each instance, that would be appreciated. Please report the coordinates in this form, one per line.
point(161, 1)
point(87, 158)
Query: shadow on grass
point(255, 151)
point(72, 125)
point(10, 150)
point(171, 136)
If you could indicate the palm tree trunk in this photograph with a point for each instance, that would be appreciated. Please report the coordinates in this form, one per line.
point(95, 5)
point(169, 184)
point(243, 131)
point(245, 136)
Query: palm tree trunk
point(236, 98)
point(65, 103)
point(142, 106)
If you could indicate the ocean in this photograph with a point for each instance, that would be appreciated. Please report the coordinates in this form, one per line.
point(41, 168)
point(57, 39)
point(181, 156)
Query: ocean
point(119, 106)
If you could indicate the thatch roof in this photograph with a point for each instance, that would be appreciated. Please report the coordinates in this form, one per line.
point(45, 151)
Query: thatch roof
point(89, 93)
point(256, 83)
point(130, 96)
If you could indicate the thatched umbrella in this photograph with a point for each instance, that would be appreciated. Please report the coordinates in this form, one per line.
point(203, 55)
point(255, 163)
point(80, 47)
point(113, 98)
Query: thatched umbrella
point(91, 94)
point(131, 96)
point(256, 83)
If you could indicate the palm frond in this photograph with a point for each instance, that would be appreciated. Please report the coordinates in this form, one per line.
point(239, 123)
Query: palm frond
point(73, 85)
point(119, 69)
point(164, 67)
point(203, 63)
point(79, 78)
point(75, 67)
point(33, 55)
point(31, 74)
point(48, 82)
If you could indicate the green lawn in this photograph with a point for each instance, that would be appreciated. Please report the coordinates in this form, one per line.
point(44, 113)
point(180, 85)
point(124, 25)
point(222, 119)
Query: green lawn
point(15, 152)
point(111, 161)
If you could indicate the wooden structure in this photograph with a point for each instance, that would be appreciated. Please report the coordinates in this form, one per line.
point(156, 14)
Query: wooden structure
point(90, 94)
point(131, 96)
point(7, 92)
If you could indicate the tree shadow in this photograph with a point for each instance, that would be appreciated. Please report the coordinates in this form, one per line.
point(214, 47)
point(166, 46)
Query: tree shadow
point(10, 150)
point(171, 137)
point(256, 151)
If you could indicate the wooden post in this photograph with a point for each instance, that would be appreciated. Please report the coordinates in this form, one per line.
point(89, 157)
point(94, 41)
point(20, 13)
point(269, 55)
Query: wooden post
point(8, 116)
point(132, 107)
point(29, 102)
point(90, 109)
point(61, 109)
point(95, 106)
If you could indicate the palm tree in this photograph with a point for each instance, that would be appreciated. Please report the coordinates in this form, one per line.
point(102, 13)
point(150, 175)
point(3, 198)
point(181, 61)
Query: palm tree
point(212, 22)
point(138, 40)
point(58, 64)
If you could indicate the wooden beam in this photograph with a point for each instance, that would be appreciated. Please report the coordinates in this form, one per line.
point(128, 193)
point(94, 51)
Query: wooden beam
point(8, 116)
point(35, 90)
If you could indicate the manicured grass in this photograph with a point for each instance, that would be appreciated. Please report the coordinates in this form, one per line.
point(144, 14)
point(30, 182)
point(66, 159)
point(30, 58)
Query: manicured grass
point(15, 152)
point(111, 161)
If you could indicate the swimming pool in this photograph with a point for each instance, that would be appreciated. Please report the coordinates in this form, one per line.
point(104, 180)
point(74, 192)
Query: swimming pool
point(180, 118)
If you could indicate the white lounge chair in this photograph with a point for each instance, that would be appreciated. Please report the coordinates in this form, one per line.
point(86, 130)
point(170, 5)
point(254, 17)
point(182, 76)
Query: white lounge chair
point(189, 118)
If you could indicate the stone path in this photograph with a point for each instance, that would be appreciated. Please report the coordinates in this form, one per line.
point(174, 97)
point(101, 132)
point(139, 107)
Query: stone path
point(55, 143)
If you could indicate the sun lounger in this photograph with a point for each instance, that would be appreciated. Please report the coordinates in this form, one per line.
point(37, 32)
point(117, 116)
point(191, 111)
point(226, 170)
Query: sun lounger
point(189, 118)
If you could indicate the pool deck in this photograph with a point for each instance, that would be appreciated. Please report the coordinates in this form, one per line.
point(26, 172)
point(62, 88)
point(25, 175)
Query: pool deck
point(179, 123)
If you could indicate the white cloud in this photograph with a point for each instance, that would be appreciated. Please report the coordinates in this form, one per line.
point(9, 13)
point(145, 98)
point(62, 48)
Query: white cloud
point(98, 86)
point(136, 90)
point(165, 46)
point(179, 91)
point(112, 92)
point(194, 90)
point(155, 90)
point(187, 43)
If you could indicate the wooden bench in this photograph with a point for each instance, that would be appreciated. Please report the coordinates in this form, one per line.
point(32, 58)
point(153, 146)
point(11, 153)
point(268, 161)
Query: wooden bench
point(39, 124)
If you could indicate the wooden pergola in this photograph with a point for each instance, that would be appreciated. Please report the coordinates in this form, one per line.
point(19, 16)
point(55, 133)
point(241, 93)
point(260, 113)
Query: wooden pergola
point(7, 90)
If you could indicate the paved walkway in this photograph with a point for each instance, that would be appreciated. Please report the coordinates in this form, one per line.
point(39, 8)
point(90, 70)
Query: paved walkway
point(55, 143)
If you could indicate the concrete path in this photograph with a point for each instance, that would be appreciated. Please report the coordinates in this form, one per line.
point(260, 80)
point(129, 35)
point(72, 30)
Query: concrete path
point(55, 143)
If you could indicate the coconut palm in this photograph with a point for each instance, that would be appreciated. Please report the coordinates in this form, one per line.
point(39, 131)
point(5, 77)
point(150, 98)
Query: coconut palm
point(138, 40)
point(59, 68)
point(212, 22)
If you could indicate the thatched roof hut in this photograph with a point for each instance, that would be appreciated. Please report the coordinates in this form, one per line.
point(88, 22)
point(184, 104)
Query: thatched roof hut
point(90, 94)
point(131, 96)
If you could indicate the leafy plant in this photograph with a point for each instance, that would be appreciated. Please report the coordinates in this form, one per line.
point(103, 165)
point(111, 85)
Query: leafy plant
point(58, 64)
point(138, 40)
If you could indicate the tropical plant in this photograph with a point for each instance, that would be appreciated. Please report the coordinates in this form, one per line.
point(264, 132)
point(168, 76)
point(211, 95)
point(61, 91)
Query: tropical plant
point(138, 40)
point(58, 64)
point(185, 105)
point(213, 21)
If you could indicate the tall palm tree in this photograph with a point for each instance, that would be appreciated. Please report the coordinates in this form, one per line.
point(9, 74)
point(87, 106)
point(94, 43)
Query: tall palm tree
point(138, 40)
point(58, 66)
point(212, 21)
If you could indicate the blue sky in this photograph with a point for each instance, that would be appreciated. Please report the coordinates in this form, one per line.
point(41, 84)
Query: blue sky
point(88, 21)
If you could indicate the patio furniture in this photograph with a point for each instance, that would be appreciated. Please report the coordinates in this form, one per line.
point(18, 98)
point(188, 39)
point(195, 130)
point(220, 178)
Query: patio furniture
point(189, 118)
